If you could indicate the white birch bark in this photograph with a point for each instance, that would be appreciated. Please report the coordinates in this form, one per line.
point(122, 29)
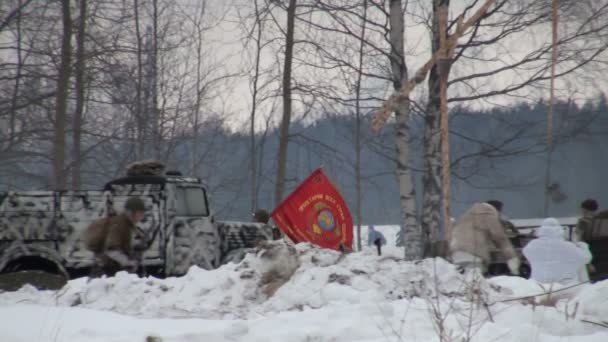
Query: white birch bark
point(410, 230)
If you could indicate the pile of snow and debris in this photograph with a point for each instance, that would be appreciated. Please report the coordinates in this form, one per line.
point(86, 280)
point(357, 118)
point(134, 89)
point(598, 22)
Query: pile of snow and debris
point(327, 277)
point(307, 294)
point(321, 277)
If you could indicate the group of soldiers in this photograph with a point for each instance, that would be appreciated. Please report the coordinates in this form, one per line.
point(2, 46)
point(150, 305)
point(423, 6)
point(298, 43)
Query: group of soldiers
point(483, 228)
point(118, 244)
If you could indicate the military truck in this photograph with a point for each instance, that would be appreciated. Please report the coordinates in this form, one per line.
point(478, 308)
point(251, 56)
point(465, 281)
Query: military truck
point(42, 230)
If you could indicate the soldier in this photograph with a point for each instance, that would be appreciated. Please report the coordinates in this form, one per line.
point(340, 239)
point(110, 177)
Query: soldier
point(474, 235)
point(262, 216)
point(115, 251)
point(553, 259)
point(583, 232)
point(498, 263)
point(504, 220)
point(583, 226)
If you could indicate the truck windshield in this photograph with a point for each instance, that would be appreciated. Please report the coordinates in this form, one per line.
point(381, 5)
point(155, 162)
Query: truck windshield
point(191, 202)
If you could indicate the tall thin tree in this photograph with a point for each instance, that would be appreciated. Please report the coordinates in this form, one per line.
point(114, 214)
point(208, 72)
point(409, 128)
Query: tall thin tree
point(80, 99)
point(16, 88)
point(254, 104)
point(410, 231)
point(443, 65)
point(138, 112)
point(286, 120)
point(554, 36)
point(61, 100)
point(199, 30)
point(156, 120)
point(358, 124)
point(431, 180)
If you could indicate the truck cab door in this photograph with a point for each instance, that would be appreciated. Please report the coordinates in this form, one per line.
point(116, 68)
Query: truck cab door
point(193, 238)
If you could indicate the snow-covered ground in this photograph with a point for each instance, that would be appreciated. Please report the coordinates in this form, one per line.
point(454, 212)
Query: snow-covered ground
point(356, 297)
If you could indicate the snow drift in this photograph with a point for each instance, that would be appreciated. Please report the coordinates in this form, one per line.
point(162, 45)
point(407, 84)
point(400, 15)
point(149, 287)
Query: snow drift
point(322, 295)
point(322, 277)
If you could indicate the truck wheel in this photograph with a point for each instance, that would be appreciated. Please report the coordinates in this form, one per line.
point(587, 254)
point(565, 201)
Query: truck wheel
point(38, 272)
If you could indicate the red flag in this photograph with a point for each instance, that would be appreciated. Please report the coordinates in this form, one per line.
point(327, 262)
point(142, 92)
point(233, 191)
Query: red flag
point(316, 212)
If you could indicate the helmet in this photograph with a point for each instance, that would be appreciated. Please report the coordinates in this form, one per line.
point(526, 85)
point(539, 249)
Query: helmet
point(135, 204)
point(261, 215)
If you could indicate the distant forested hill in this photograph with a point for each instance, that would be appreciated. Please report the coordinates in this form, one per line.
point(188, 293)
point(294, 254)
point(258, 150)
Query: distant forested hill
point(496, 154)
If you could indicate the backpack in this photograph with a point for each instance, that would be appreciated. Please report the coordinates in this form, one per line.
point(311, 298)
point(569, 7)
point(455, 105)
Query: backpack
point(94, 237)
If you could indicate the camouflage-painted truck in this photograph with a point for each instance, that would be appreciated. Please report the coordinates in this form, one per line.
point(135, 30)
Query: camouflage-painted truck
point(42, 230)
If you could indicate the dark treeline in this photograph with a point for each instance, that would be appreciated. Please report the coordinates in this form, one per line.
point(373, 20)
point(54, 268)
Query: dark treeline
point(496, 154)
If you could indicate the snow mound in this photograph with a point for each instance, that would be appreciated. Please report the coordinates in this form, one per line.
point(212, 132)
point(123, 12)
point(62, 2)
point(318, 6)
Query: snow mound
point(323, 296)
point(322, 279)
point(328, 277)
point(201, 293)
point(593, 301)
point(233, 291)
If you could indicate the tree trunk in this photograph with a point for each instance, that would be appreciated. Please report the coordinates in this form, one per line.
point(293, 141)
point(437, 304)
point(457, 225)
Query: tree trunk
point(444, 65)
point(410, 230)
point(79, 85)
point(261, 145)
point(431, 196)
point(358, 126)
point(254, 103)
point(554, 25)
point(59, 179)
point(285, 122)
point(139, 120)
point(13, 115)
point(156, 120)
point(199, 91)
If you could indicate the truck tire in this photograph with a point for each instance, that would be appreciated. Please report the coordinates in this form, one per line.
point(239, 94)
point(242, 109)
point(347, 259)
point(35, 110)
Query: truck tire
point(39, 272)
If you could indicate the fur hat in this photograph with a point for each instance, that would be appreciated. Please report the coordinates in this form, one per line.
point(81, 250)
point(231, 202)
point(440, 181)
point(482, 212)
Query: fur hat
point(145, 168)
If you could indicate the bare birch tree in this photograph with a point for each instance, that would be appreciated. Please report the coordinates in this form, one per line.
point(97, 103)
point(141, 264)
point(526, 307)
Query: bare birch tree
point(431, 193)
point(410, 230)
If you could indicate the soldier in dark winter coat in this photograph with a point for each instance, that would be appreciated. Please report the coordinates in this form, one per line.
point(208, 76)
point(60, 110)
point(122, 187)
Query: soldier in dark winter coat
point(583, 227)
point(116, 252)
